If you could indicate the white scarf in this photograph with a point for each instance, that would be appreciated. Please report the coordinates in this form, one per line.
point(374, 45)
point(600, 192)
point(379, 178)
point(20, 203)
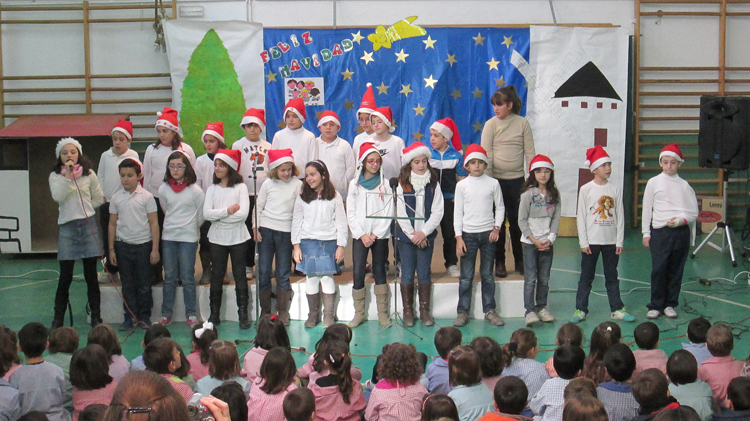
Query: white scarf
point(419, 181)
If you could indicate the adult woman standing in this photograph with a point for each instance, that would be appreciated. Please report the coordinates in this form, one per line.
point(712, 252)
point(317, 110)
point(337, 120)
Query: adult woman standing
point(507, 138)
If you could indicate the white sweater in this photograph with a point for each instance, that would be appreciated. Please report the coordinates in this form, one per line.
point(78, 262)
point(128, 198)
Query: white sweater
point(183, 213)
point(275, 204)
point(155, 165)
point(226, 229)
point(109, 174)
point(302, 143)
point(320, 220)
point(391, 150)
point(65, 193)
point(600, 217)
point(428, 226)
point(363, 207)
point(666, 197)
point(474, 201)
point(204, 170)
point(339, 159)
point(254, 154)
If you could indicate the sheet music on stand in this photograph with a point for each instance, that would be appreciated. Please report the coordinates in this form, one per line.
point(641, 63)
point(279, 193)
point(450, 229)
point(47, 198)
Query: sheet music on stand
point(387, 212)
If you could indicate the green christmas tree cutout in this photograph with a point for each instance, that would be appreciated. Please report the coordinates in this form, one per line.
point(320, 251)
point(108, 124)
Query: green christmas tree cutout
point(211, 93)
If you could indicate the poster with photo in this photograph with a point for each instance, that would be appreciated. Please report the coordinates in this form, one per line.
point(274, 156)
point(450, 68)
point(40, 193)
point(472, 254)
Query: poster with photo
point(310, 89)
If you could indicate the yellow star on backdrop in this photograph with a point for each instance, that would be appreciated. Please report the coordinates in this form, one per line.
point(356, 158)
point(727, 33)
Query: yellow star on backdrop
point(477, 127)
point(419, 110)
point(281, 125)
point(429, 42)
point(401, 56)
point(367, 58)
point(451, 59)
point(456, 94)
point(271, 76)
point(406, 90)
point(477, 93)
point(357, 37)
point(348, 105)
point(500, 82)
point(479, 39)
point(430, 82)
point(347, 74)
point(493, 64)
point(360, 129)
point(382, 89)
point(417, 136)
point(507, 41)
point(318, 114)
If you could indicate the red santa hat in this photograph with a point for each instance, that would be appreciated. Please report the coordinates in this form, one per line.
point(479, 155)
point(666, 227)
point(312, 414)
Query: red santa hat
point(214, 129)
point(386, 115)
point(136, 160)
point(297, 106)
point(595, 157)
point(541, 161)
point(277, 157)
point(67, 141)
point(327, 116)
point(475, 151)
point(254, 115)
point(447, 128)
point(168, 118)
point(368, 101)
point(231, 157)
point(366, 149)
point(672, 150)
point(414, 150)
point(125, 127)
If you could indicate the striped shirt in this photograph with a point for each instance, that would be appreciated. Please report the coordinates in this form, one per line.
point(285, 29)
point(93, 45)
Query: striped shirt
point(532, 372)
point(618, 400)
point(180, 386)
point(264, 407)
point(389, 402)
point(84, 398)
point(548, 403)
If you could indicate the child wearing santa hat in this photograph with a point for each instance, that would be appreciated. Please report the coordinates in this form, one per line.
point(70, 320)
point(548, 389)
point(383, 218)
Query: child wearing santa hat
point(448, 161)
point(419, 211)
point(539, 221)
point(670, 209)
point(366, 107)
point(227, 206)
point(390, 146)
point(295, 137)
point(335, 152)
point(273, 231)
point(601, 230)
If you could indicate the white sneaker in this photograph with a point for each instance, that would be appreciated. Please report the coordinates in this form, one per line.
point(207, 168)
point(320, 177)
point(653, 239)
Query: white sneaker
point(654, 314)
point(531, 318)
point(546, 316)
point(670, 313)
point(453, 271)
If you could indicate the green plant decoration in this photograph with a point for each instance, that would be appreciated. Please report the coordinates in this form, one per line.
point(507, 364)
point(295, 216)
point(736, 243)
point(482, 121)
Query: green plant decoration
point(211, 93)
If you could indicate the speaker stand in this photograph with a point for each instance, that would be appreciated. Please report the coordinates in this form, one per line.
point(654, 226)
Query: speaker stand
point(726, 235)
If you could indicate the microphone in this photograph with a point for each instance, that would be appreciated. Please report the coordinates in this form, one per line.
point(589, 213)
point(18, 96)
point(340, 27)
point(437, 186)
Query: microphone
point(393, 182)
point(69, 164)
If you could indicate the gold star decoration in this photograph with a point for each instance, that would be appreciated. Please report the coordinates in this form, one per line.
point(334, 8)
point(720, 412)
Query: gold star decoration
point(419, 110)
point(318, 114)
point(417, 136)
point(271, 76)
point(477, 127)
point(493, 63)
point(367, 58)
point(401, 56)
point(477, 93)
point(360, 129)
point(357, 37)
point(382, 89)
point(281, 125)
point(429, 42)
point(479, 39)
point(456, 94)
point(500, 82)
point(451, 59)
point(430, 82)
point(507, 41)
point(347, 74)
point(406, 90)
point(348, 105)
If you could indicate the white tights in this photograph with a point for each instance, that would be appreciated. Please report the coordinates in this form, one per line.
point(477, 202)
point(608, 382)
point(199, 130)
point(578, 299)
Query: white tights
point(315, 283)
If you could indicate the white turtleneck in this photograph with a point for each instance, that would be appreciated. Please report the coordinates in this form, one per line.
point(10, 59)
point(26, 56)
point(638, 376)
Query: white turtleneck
point(302, 143)
point(666, 197)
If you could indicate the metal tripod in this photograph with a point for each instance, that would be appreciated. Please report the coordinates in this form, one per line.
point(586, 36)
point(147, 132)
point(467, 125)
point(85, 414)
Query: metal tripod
point(726, 235)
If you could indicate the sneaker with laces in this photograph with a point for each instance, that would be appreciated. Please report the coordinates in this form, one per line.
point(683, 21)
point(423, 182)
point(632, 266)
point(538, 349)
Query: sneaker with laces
point(531, 318)
point(164, 321)
point(193, 321)
point(623, 315)
point(653, 314)
point(453, 271)
point(577, 317)
point(493, 318)
point(546, 316)
point(670, 313)
point(461, 320)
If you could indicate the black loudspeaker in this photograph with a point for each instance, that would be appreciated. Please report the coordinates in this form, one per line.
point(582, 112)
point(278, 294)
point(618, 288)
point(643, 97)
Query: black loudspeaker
point(724, 135)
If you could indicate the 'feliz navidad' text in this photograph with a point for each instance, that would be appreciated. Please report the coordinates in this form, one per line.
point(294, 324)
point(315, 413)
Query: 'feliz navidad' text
point(326, 54)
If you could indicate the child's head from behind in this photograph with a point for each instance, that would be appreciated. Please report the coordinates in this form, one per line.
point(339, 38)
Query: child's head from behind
point(145, 389)
point(8, 354)
point(646, 335)
point(32, 338)
point(464, 368)
point(271, 333)
point(522, 344)
point(698, 329)
point(223, 361)
point(155, 332)
point(234, 396)
point(620, 362)
point(400, 364)
point(64, 340)
point(93, 412)
point(34, 416)
point(299, 405)
point(682, 367)
point(738, 392)
point(680, 413)
point(584, 407)
point(333, 333)
point(104, 335)
point(492, 356)
point(89, 368)
point(203, 336)
point(438, 407)
point(650, 388)
point(719, 340)
point(339, 362)
point(569, 334)
point(603, 337)
point(568, 361)
point(162, 356)
point(447, 338)
point(277, 371)
point(580, 386)
point(511, 395)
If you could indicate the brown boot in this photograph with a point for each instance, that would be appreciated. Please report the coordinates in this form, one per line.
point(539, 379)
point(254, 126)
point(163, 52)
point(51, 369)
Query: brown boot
point(313, 314)
point(407, 296)
point(206, 266)
point(282, 304)
point(264, 297)
point(329, 309)
point(381, 297)
point(360, 313)
point(425, 294)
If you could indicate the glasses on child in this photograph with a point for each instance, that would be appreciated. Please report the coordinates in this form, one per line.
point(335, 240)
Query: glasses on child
point(373, 161)
point(176, 167)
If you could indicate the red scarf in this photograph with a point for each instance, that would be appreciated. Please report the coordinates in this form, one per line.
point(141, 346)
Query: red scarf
point(177, 186)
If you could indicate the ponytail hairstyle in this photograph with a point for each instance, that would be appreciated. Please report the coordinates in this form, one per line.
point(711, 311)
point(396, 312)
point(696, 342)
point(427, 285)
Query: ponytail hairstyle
point(204, 341)
point(334, 332)
point(507, 95)
point(464, 368)
point(339, 362)
point(522, 341)
point(184, 369)
point(277, 371)
point(328, 192)
point(570, 334)
point(223, 361)
point(190, 176)
point(602, 338)
point(271, 333)
point(553, 195)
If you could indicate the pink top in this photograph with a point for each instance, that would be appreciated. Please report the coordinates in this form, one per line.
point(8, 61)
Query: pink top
point(389, 402)
point(718, 372)
point(119, 367)
point(180, 386)
point(264, 407)
point(13, 368)
point(307, 369)
point(650, 358)
point(84, 398)
point(490, 382)
point(251, 365)
point(197, 369)
point(330, 405)
point(550, 366)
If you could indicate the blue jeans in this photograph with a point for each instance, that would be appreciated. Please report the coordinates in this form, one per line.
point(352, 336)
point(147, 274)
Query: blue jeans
point(477, 242)
point(277, 243)
point(610, 259)
point(179, 258)
point(136, 276)
point(536, 268)
point(415, 260)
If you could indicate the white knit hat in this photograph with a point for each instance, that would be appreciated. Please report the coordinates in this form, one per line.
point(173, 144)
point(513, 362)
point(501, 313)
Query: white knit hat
point(67, 141)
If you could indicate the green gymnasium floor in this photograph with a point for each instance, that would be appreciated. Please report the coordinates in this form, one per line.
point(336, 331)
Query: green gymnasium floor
point(27, 297)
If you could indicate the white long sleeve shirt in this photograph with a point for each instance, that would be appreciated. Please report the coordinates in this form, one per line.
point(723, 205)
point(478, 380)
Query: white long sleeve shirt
point(275, 204)
point(600, 217)
point(65, 193)
point(428, 226)
point(667, 197)
point(391, 150)
point(155, 165)
point(320, 220)
point(359, 140)
point(204, 170)
point(302, 143)
point(183, 213)
point(226, 229)
point(474, 200)
point(370, 211)
point(339, 159)
point(109, 174)
point(254, 155)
